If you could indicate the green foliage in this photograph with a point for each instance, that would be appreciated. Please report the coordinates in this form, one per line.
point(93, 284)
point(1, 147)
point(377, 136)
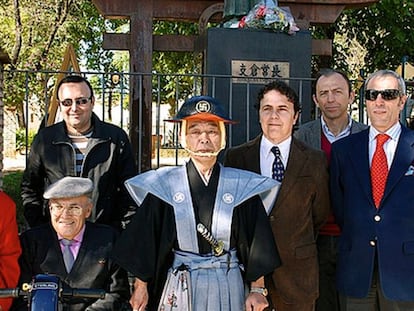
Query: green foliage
point(36, 34)
point(21, 141)
point(180, 64)
point(385, 30)
point(11, 185)
point(322, 32)
point(87, 30)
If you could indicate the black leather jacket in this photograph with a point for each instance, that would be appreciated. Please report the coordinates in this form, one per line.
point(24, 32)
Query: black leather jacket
point(108, 163)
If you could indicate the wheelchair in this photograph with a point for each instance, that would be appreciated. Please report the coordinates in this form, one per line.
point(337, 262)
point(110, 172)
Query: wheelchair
point(46, 293)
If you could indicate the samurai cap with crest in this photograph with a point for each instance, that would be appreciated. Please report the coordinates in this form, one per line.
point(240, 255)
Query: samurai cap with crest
point(202, 108)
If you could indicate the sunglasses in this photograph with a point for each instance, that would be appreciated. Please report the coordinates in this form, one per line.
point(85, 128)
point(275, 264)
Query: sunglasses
point(79, 101)
point(388, 94)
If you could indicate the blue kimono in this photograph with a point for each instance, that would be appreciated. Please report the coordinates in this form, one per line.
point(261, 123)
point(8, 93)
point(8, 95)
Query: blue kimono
point(163, 235)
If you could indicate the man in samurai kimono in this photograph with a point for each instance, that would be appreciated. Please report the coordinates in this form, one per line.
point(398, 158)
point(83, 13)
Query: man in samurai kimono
point(200, 239)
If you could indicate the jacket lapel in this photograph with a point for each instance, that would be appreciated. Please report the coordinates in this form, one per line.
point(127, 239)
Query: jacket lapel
point(83, 257)
point(53, 262)
point(252, 155)
point(316, 137)
point(296, 162)
point(403, 158)
point(358, 157)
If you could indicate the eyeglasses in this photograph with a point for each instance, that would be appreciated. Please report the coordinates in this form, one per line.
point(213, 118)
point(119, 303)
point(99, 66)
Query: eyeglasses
point(58, 209)
point(388, 94)
point(79, 101)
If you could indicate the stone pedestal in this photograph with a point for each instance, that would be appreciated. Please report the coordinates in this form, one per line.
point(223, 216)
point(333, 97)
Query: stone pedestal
point(244, 60)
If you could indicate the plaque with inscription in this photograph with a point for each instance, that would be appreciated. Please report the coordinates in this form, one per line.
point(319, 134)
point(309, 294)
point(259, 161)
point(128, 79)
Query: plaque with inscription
point(248, 71)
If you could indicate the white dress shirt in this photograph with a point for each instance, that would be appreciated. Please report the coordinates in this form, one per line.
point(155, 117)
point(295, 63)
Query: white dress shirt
point(389, 147)
point(267, 157)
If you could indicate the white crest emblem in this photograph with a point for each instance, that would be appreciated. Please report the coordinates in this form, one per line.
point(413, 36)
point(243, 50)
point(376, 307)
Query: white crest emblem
point(178, 197)
point(228, 198)
point(203, 106)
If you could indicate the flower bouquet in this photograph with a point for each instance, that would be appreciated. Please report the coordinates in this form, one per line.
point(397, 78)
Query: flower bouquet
point(268, 15)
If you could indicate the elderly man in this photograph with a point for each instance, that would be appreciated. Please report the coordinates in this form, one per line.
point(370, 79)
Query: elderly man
point(204, 222)
point(86, 262)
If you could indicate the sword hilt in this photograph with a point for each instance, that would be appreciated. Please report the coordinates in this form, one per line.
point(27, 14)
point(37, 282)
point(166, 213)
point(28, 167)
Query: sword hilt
point(218, 246)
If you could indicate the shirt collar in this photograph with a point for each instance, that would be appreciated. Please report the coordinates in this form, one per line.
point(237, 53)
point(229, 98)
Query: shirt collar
point(284, 147)
point(393, 132)
point(331, 137)
point(78, 238)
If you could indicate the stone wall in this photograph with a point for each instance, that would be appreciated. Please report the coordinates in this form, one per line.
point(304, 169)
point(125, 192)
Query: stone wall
point(9, 133)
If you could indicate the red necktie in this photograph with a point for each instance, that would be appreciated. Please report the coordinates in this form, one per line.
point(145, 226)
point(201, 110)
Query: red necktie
point(379, 169)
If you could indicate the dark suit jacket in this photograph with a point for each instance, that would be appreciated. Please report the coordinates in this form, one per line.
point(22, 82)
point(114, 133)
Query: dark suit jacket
point(311, 132)
point(301, 208)
point(93, 267)
point(387, 231)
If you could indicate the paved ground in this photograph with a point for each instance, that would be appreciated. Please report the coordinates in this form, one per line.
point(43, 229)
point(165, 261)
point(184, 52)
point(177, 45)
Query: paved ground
point(19, 162)
point(14, 164)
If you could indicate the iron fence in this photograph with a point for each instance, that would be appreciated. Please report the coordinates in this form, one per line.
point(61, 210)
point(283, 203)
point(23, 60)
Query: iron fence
point(28, 96)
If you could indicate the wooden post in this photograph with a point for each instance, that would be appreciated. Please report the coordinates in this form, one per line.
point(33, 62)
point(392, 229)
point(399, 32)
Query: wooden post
point(69, 63)
point(141, 90)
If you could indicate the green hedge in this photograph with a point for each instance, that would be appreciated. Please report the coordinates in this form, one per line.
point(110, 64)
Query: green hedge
point(11, 185)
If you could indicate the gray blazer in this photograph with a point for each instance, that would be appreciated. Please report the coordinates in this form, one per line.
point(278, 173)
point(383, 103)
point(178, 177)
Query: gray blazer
point(311, 132)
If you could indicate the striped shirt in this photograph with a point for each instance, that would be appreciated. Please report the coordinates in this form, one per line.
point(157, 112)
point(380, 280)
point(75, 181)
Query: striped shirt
point(80, 143)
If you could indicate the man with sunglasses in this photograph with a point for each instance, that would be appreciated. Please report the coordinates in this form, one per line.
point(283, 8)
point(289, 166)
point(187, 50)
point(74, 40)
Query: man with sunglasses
point(75, 250)
point(80, 145)
point(372, 182)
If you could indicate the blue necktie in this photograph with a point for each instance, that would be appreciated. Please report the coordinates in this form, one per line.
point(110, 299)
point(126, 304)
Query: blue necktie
point(67, 254)
point(278, 170)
